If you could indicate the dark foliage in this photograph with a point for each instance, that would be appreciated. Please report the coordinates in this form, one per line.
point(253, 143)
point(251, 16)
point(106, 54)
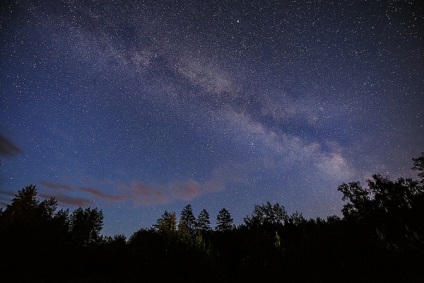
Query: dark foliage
point(224, 222)
point(203, 223)
point(187, 220)
point(379, 239)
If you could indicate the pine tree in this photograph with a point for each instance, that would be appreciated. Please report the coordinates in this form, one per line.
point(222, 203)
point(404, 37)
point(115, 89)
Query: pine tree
point(224, 222)
point(203, 224)
point(167, 223)
point(187, 220)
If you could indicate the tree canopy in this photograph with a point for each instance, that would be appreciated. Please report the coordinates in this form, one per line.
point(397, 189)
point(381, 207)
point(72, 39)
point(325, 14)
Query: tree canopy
point(267, 214)
point(203, 223)
point(224, 222)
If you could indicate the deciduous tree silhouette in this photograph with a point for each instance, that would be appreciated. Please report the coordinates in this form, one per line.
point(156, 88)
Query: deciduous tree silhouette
point(296, 219)
point(381, 197)
point(85, 226)
point(357, 198)
point(419, 166)
point(266, 214)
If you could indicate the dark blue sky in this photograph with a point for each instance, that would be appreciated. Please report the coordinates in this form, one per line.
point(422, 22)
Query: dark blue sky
point(141, 108)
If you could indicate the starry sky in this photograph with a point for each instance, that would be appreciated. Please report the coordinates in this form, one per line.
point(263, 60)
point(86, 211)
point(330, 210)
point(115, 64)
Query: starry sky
point(137, 107)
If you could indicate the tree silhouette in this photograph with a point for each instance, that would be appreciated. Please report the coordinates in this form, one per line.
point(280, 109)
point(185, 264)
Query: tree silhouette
point(296, 219)
point(224, 222)
point(382, 196)
point(266, 214)
point(357, 198)
point(419, 166)
point(23, 208)
point(167, 223)
point(203, 224)
point(27, 212)
point(85, 226)
point(187, 220)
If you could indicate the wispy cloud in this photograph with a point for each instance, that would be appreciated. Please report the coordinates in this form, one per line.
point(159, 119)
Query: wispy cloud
point(104, 196)
point(146, 195)
point(142, 194)
point(68, 200)
point(55, 186)
point(5, 198)
point(8, 148)
point(186, 190)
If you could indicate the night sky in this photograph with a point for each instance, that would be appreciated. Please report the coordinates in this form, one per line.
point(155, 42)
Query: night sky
point(138, 108)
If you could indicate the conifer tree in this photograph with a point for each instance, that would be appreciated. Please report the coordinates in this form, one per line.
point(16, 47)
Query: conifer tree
point(224, 222)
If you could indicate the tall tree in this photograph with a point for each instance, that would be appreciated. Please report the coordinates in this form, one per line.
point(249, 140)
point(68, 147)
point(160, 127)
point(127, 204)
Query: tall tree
point(381, 197)
point(23, 208)
point(85, 226)
point(167, 223)
point(203, 224)
point(419, 166)
point(266, 214)
point(187, 220)
point(27, 211)
point(224, 222)
point(358, 200)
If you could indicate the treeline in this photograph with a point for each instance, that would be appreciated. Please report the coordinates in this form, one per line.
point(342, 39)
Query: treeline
point(379, 239)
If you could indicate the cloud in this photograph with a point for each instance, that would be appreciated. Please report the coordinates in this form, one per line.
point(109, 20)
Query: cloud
point(8, 148)
point(186, 190)
point(99, 194)
point(147, 195)
point(4, 201)
point(55, 186)
point(65, 199)
point(74, 201)
point(219, 179)
point(141, 194)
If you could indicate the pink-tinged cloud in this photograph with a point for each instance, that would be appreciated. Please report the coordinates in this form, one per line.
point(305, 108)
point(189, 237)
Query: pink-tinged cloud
point(106, 197)
point(8, 148)
point(99, 182)
point(141, 194)
point(186, 190)
point(55, 186)
point(68, 200)
point(221, 177)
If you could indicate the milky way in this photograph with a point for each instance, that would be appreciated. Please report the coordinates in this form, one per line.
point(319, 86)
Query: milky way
point(145, 107)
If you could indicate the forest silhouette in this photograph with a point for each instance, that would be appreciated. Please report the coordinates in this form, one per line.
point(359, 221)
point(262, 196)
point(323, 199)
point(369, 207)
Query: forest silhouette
point(380, 238)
